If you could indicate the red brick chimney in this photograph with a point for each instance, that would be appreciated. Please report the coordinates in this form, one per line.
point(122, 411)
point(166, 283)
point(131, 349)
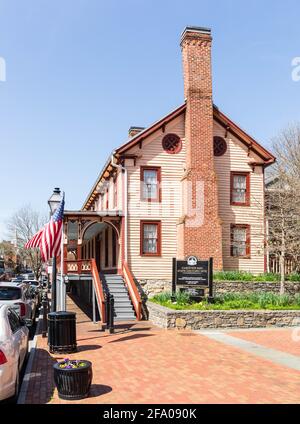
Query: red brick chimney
point(202, 232)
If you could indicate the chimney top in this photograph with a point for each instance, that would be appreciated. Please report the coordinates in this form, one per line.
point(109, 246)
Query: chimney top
point(194, 29)
point(134, 131)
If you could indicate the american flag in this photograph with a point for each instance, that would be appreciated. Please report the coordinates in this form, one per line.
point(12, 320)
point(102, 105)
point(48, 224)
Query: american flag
point(52, 233)
point(48, 239)
point(35, 241)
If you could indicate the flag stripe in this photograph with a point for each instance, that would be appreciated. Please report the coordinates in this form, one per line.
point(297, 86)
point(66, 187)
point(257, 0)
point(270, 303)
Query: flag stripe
point(35, 241)
point(48, 239)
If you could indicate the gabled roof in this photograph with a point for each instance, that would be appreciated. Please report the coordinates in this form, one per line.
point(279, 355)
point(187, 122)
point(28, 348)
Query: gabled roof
point(220, 117)
point(245, 138)
point(150, 130)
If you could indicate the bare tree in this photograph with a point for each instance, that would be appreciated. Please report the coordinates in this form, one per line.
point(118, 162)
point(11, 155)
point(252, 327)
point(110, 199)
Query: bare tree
point(8, 253)
point(22, 226)
point(283, 199)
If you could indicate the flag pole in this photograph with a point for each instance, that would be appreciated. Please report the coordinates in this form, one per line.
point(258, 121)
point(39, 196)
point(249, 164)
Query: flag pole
point(62, 285)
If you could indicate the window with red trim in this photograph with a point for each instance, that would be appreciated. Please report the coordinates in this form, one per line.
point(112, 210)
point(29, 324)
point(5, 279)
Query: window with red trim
point(240, 188)
point(150, 242)
point(240, 240)
point(150, 184)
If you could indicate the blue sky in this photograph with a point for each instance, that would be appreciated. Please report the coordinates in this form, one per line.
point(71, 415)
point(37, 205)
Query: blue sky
point(79, 73)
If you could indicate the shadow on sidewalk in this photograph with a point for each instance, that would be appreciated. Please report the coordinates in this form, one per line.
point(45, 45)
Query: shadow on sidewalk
point(84, 348)
point(134, 336)
point(99, 389)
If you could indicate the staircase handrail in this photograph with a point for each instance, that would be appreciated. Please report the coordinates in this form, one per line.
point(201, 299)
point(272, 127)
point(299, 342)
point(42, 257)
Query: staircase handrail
point(133, 291)
point(99, 291)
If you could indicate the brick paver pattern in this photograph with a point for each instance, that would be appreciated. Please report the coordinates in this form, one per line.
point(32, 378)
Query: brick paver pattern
point(143, 364)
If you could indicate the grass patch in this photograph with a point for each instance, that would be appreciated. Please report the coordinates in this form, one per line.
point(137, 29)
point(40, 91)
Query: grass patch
point(247, 276)
point(231, 301)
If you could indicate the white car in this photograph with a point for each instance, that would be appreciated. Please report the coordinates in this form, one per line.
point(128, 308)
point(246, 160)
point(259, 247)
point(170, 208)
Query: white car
point(19, 297)
point(13, 350)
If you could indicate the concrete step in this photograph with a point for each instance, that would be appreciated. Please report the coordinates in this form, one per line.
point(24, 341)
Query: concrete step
point(125, 317)
point(114, 290)
point(126, 307)
point(120, 296)
point(115, 286)
point(121, 301)
point(112, 277)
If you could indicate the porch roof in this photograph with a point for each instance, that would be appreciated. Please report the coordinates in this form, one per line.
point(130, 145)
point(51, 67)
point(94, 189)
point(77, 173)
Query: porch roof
point(92, 214)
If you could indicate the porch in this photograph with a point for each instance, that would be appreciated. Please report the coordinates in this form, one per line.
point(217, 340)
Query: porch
point(95, 265)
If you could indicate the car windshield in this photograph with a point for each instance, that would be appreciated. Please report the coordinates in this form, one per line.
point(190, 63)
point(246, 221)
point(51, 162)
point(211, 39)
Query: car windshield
point(33, 283)
point(10, 293)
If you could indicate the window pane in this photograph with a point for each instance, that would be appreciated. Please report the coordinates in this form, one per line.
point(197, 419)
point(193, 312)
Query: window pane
point(239, 188)
point(150, 184)
point(239, 241)
point(150, 238)
point(73, 231)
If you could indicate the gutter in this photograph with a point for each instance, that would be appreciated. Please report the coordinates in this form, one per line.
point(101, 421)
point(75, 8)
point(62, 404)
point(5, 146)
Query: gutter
point(125, 205)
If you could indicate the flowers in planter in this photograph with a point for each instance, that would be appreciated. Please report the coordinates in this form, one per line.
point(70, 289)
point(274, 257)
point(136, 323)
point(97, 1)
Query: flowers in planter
point(71, 364)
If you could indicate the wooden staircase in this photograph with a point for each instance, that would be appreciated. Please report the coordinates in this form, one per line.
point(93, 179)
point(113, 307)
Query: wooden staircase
point(114, 284)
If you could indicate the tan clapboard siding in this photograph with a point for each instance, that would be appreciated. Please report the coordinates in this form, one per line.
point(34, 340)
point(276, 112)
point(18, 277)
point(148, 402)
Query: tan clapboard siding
point(236, 159)
point(168, 211)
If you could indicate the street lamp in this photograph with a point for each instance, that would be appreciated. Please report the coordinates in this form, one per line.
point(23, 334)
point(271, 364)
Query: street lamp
point(53, 203)
point(54, 200)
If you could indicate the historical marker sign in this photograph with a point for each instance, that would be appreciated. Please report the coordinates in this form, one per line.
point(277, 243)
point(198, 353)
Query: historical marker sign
point(193, 276)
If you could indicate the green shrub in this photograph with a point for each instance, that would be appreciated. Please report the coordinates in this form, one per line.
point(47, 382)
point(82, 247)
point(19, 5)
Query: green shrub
point(227, 301)
point(181, 298)
point(247, 276)
point(233, 276)
point(162, 298)
point(293, 277)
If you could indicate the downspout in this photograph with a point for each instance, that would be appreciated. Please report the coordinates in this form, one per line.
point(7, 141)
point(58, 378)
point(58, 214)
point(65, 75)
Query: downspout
point(124, 170)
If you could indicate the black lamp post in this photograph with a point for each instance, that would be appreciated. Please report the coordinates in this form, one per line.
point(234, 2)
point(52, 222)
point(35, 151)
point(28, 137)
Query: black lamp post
point(53, 203)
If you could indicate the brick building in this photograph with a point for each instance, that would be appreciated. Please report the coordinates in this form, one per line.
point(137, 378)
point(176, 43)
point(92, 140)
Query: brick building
point(190, 184)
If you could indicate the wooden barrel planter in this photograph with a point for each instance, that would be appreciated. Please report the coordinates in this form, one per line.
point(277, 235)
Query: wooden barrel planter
point(73, 379)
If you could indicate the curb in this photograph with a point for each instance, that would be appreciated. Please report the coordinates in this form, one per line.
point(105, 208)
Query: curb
point(28, 374)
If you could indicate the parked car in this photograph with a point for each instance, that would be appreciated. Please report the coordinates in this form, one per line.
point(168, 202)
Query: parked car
point(17, 280)
point(36, 288)
point(20, 298)
point(13, 350)
point(29, 276)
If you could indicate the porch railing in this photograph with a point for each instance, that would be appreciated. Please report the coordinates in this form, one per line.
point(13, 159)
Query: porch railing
point(98, 290)
point(133, 291)
point(78, 267)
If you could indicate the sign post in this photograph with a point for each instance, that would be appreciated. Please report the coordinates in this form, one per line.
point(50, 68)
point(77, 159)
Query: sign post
point(174, 268)
point(193, 276)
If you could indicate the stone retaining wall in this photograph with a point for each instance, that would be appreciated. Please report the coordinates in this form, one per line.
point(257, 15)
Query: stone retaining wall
point(153, 287)
point(197, 320)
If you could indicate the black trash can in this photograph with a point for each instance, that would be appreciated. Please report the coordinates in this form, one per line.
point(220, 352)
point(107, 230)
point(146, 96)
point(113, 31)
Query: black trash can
point(62, 332)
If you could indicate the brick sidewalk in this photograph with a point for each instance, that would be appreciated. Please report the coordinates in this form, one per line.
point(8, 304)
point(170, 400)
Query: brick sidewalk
point(144, 364)
point(284, 339)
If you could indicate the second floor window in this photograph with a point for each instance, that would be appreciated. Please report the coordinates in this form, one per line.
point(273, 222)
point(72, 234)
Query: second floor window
point(150, 184)
point(240, 188)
